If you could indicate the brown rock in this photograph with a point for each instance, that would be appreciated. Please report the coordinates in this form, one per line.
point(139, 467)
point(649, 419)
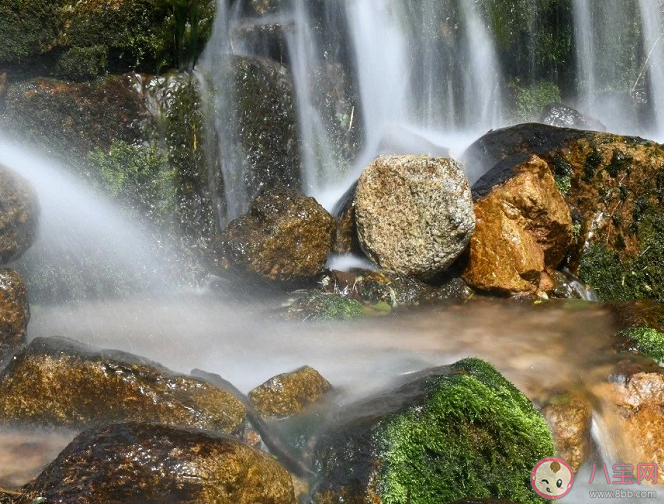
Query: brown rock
point(150, 464)
point(59, 382)
point(345, 238)
point(14, 312)
point(414, 214)
point(3, 89)
point(523, 227)
point(19, 213)
point(285, 237)
point(289, 393)
point(570, 422)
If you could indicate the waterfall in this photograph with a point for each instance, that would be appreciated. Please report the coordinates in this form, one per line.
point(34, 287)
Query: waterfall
point(653, 33)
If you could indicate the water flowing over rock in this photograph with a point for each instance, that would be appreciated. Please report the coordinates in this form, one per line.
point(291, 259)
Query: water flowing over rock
point(19, 213)
point(14, 312)
point(557, 114)
point(289, 393)
point(523, 227)
point(446, 434)
point(285, 237)
point(150, 464)
point(414, 213)
point(58, 382)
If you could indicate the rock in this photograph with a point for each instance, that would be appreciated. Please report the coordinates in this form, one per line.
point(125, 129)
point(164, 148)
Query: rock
point(570, 421)
point(3, 90)
point(414, 213)
point(345, 238)
point(450, 433)
point(562, 116)
point(265, 125)
point(524, 227)
point(323, 306)
point(289, 393)
point(613, 186)
point(19, 214)
point(57, 382)
point(14, 312)
point(150, 463)
point(396, 290)
point(285, 237)
point(26, 29)
point(647, 341)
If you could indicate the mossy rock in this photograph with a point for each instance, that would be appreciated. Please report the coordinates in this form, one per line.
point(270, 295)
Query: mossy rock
point(451, 433)
point(27, 28)
point(320, 306)
point(82, 63)
point(644, 340)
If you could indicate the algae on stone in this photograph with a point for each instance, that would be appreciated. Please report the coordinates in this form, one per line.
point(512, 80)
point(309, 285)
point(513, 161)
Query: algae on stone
point(645, 340)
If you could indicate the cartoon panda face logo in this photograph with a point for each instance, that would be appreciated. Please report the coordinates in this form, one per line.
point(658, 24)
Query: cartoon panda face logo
point(552, 478)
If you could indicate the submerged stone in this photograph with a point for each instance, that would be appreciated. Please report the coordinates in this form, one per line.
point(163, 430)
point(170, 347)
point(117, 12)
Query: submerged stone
point(57, 382)
point(524, 227)
point(289, 393)
point(150, 463)
point(285, 237)
point(14, 312)
point(458, 432)
point(414, 213)
point(19, 215)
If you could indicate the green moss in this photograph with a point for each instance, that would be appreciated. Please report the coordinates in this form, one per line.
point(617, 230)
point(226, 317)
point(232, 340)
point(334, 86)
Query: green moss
point(530, 100)
point(645, 340)
point(27, 28)
point(82, 63)
point(318, 306)
point(475, 436)
point(593, 160)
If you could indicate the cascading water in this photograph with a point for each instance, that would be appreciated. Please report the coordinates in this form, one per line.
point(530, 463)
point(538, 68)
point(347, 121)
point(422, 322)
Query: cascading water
point(653, 40)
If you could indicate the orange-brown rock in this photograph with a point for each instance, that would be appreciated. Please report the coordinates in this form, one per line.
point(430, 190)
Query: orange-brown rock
point(285, 237)
point(289, 393)
point(570, 421)
point(14, 312)
point(151, 463)
point(523, 227)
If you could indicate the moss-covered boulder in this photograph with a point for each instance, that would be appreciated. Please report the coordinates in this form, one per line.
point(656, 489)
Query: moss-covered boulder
point(414, 214)
point(14, 312)
point(647, 341)
point(458, 432)
point(614, 186)
point(524, 227)
point(58, 382)
point(150, 463)
point(393, 289)
point(289, 393)
point(19, 215)
point(323, 306)
point(27, 28)
point(285, 237)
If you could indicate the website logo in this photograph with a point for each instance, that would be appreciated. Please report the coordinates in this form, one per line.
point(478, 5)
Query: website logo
point(552, 478)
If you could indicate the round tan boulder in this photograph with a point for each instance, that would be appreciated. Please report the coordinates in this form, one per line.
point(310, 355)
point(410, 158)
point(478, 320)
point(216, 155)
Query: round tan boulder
point(414, 213)
point(149, 463)
point(19, 212)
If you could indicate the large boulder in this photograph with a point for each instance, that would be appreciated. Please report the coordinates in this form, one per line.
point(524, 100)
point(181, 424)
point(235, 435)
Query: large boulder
point(150, 464)
point(613, 186)
point(524, 227)
point(19, 213)
point(414, 213)
point(58, 382)
point(289, 393)
point(285, 237)
point(14, 312)
point(458, 432)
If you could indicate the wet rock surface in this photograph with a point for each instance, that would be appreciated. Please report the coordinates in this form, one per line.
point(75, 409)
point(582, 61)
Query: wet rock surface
point(150, 463)
point(289, 393)
point(414, 214)
point(447, 434)
point(570, 420)
point(57, 382)
point(19, 215)
point(285, 237)
point(562, 116)
point(14, 312)
point(323, 306)
point(523, 227)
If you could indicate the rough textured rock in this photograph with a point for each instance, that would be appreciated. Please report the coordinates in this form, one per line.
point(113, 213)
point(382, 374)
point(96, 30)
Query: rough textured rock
point(557, 114)
point(289, 393)
point(150, 464)
point(14, 312)
point(323, 306)
point(614, 186)
point(414, 213)
point(523, 227)
point(59, 382)
point(391, 288)
point(570, 419)
point(285, 237)
point(19, 214)
point(345, 238)
point(449, 433)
